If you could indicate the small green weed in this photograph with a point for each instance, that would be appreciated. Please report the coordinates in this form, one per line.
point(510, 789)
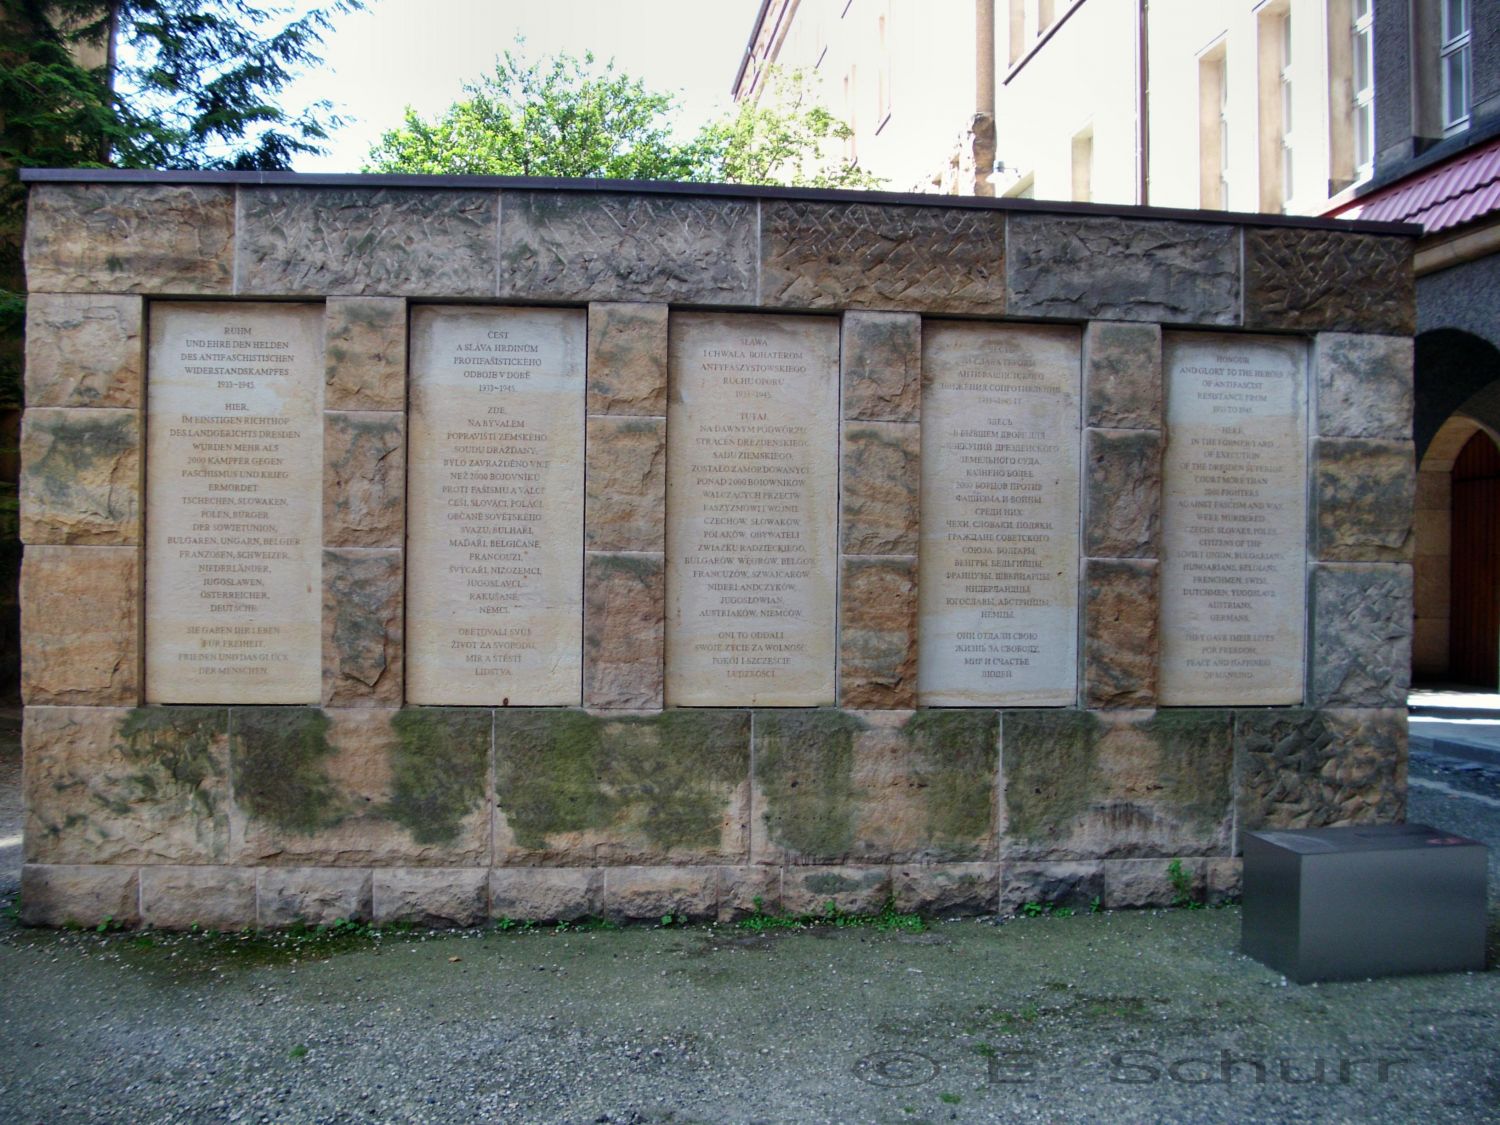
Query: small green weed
point(1182, 886)
point(949, 1099)
point(297, 1052)
point(887, 918)
point(1096, 905)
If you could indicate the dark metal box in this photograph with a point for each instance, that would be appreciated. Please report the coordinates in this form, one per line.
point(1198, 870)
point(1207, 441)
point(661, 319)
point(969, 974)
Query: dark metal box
point(1367, 901)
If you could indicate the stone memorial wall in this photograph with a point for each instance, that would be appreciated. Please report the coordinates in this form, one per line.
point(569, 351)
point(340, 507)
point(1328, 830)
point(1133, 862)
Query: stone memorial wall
point(442, 550)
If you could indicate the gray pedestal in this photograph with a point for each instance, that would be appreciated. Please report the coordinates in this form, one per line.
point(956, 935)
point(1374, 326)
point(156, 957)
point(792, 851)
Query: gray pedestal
point(1369, 901)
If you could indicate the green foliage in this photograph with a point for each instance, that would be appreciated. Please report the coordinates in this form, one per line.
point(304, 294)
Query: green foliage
point(562, 116)
point(569, 117)
point(783, 136)
point(1182, 886)
point(887, 918)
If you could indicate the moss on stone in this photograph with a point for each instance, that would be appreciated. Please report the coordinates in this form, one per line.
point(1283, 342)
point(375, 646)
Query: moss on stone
point(1050, 777)
point(84, 440)
point(804, 765)
point(666, 776)
point(279, 771)
point(1196, 750)
point(178, 742)
point(438, 765)
point(958, 757)
point(642, 568)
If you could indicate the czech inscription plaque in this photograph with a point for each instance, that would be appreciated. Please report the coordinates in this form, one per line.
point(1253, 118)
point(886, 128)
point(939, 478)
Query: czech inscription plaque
point(998, 575)
point(1235, 520)
point(234, 504)
point(752, 504)
point(495, 506)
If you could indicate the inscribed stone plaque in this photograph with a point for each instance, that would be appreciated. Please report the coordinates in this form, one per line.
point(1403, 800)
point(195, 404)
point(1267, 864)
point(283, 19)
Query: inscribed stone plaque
point(1234, 525)
point(234, 503)
point(495, 506)
point(998, 574)
point(752, 506)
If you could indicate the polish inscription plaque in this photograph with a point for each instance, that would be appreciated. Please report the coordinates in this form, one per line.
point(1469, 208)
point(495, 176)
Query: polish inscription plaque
point(998, 574)
point(752, 505)
point(234, 507)
point(495, 506)
point(1234, 524)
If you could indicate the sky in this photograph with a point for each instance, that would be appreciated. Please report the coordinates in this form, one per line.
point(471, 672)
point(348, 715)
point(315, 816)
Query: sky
point(421, 52)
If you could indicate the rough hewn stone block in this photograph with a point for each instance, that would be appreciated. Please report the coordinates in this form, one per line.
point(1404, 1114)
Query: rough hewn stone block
point(878, 633)
point(1120, 637)
point(366, 242)
point(880, 485)
point(545, 894)
point(431, 896)
point(363, 628)
point(946, 889)
point(79, 896)
point(1122, 505)
point(361, 788)
point(111, 785)
point(1364, 386)
point(821, 255)
point(881, 359)
point(1362, 635)
point(1314, 769)
point(874, 786)
point(1074, 885)
point(80, 476)
point(578, 789)
point(316, 896)
point(627, 359)
point(83, 350)
point(1225, 880)
point(129, 238)
point(1313, 280)
point(747, 890)
point(1082, 785)
point(80, 625)
point(571, 246)
point(212, 898)
point(655, 892)
point(1131, 884)
point(1122, 381)
point(1108, 268)
point(848, 889)
point(625, 490)
point(364, 479)
point(365, 353)
point(624, 607)
point(1365, 493)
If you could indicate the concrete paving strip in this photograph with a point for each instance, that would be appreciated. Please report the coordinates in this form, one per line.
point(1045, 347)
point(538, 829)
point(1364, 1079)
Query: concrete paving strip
point(1451, 791)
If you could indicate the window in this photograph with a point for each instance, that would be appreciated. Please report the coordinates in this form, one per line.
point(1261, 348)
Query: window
point(1454, 65)
point(1213, 131)
point(1274, 82)
point(883, 76)
point(1083, 165)
point(1285, 82)
point(1362, 86)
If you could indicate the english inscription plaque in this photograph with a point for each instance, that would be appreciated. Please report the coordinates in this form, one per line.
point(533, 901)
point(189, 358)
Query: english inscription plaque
point(495, 506)
point(1234, 525)
point(234, 503)
point(998, 579)
point(752, 505)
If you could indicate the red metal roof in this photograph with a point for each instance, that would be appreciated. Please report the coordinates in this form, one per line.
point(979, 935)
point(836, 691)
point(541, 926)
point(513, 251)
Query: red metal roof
point(1449, 195)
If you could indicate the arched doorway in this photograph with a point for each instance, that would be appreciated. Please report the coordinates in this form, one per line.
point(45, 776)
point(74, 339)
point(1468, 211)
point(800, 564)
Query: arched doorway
point(1474, 609)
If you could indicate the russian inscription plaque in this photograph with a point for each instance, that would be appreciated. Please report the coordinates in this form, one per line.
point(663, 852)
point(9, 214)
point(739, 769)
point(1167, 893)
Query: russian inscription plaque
point(495, 506)
point(234, 507)
point(752, 504)
point(998, 575)
point(1234, 525)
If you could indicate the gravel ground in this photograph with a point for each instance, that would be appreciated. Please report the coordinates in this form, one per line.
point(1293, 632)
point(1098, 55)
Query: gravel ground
point(1132, 1016)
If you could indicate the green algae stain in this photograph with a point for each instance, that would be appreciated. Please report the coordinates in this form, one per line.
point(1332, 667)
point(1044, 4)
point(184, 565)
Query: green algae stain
point(956, 755)
point(804, 765)
point(1050, 775)
point(667, 777)
point(438, 766)
point(178, 747)
point(280, 776)
point(1196, 750)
